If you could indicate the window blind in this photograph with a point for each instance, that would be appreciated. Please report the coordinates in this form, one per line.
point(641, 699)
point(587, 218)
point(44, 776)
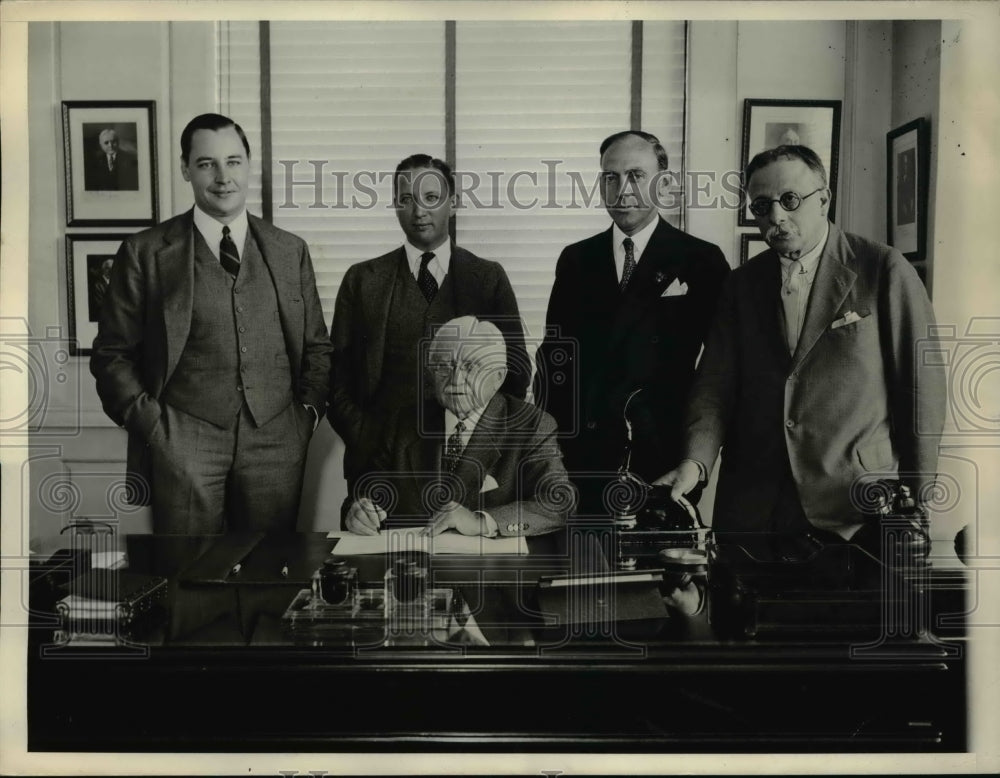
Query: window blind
point(239, 93)
point(533, 100)
point(356, 97)
point(533, 103)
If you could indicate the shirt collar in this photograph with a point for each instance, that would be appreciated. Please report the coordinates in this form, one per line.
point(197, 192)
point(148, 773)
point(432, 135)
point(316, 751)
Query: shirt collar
point(450, 420)
point(211, 229)
point(639, 241)
point(442, 255)
point(810, 259)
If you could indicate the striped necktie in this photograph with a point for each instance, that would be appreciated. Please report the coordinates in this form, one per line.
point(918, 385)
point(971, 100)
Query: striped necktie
point(229, 257)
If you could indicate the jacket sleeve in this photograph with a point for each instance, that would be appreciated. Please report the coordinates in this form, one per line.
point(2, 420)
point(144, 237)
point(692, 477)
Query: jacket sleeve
point(314, 375)
point(916, 391)
point(546, 496)
point(507, 317)
point(345, 414)
point(119, 348)
point(552, 361)
point(713, 395)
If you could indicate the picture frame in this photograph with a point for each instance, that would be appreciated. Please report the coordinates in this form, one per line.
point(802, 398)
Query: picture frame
point(110, 161)
point(751, 244)
point(812, 123)
point(907, 150)
point(89, 259)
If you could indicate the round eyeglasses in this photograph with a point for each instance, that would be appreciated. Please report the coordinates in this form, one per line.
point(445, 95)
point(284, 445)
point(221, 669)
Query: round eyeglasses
point(789, 201)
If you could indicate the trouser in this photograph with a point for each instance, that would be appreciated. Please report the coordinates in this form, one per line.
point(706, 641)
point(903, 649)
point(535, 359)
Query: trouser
point(210, 480)
point(787, 535)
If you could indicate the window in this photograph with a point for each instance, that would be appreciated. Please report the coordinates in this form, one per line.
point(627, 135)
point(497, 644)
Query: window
point(531, 103)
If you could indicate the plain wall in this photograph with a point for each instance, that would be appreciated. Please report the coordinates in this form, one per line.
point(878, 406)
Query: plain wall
point(916, 93)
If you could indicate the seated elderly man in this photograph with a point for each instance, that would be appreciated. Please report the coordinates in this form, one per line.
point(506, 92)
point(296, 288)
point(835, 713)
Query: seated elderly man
point(470, 459)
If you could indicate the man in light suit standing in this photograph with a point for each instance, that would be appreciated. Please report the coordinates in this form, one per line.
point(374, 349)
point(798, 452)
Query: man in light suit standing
point(388, 306)
point(809, 380)
point(628, 312)
point(212, 352)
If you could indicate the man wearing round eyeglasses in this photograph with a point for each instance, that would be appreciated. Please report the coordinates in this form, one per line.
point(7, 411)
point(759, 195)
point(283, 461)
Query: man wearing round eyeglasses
point(809, 383)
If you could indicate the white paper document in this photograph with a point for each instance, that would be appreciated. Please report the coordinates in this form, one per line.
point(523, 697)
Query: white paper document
point(411, 539)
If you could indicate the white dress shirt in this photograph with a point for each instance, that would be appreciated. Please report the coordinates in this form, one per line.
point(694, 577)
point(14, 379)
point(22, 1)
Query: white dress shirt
point(797, 276)
point(211, 230)
point(491, 530)
point(438, 266)
point(639, 242)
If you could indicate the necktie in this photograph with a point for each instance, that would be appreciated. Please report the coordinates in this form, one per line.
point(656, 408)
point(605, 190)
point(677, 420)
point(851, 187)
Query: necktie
point(453, 448)
point(229, 257)
point(425, 280)
point(791, 302)
point(111, 162)
point(629, 263)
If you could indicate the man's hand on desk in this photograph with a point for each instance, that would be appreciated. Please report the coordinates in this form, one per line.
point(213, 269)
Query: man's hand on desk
point(364, 517)
point(459, 518)
point(682, 479)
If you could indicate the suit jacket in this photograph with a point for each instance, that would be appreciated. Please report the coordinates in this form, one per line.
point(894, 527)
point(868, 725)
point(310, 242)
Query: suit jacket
point(147, 317)
point(480, 288)
point(125, 176)
point(848, 403)
point(510, 468)
point(601, 345)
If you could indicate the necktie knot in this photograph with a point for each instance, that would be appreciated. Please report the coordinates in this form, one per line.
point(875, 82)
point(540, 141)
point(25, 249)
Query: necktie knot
point(425, 279)
point(629, 267)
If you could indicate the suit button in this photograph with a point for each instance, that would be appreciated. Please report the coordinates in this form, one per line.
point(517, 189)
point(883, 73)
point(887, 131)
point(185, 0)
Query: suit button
point(239, 388)
point(243, 329)
point(236, 290)
point(239, 309)
point(510, 527)
point(243, 349)
point(655, 339)
point(789, 424)
point(591, 425)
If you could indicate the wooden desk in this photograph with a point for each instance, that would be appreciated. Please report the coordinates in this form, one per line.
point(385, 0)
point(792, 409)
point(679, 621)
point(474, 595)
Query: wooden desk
point(683, 689)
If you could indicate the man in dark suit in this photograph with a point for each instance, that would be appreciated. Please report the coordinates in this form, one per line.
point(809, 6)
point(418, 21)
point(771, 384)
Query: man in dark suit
point(628, 311)
point(212, 352)
point(112, 167)
point(388, 305)
point(471, 459)
point(810, 382)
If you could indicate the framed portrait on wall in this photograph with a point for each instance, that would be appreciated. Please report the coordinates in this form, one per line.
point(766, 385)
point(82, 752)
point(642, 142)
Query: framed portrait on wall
point(110, 158)
point(89, 259)
point(907, 165)
point(812, 123)
point(751, 244)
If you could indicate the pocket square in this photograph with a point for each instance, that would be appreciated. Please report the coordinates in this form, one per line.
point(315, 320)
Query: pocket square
point(848, 318)
point(489, 484)
point(676, 289)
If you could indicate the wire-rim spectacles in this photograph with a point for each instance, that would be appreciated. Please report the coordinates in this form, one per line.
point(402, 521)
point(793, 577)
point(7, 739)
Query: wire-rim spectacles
point(789, 201)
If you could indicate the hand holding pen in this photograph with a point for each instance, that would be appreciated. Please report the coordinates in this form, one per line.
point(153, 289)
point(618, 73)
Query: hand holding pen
point(365, 517)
